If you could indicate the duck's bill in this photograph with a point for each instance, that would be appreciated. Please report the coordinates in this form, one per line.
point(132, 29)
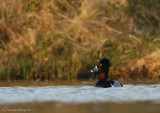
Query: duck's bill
point(94, 70)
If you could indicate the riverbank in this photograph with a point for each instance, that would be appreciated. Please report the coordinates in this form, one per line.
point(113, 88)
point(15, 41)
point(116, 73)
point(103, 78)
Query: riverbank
point(52, 39)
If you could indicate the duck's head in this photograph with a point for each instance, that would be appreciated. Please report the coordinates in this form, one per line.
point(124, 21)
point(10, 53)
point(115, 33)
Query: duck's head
point(103, 68)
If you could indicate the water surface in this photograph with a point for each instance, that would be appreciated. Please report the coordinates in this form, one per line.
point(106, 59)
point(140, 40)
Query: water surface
point(75, 97)
point(80, 94)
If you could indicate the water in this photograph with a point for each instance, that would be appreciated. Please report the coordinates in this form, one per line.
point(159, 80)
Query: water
point(80, 94)
point(79, 97)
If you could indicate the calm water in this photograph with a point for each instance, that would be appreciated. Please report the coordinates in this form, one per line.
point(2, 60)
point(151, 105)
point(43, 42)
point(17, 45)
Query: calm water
point(78, 97)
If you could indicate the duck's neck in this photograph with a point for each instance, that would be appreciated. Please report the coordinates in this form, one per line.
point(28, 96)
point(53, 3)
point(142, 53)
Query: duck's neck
point(103, 76)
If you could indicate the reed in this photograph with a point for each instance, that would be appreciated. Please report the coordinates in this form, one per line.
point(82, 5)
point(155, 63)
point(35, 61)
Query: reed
point(53, 39)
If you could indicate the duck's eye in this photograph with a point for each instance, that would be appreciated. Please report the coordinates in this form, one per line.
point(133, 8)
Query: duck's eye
point(100, 64)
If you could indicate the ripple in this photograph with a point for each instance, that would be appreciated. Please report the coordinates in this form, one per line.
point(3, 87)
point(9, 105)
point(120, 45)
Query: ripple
point(80, 94)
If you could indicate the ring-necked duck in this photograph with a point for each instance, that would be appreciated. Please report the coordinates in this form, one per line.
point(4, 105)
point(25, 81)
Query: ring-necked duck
point(103, 69)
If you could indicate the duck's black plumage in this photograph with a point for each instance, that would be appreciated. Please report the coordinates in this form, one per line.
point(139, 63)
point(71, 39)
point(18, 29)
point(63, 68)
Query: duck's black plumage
point(108, 83)
point(104, 83)
point(103, 69)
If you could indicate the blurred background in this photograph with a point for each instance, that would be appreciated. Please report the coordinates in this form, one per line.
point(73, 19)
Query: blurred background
point(63, 39)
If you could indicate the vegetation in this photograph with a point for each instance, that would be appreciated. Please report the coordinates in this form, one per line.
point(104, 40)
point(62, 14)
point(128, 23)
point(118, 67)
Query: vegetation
point(63, 39)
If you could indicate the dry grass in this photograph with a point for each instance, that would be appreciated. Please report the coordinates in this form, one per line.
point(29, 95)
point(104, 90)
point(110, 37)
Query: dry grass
point(52, 39)
point(144, 68)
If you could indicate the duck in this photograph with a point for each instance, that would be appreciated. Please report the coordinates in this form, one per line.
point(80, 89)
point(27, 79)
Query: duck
point(102, 68)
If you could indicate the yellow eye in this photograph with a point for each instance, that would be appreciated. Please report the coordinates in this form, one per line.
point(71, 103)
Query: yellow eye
point(100, 64)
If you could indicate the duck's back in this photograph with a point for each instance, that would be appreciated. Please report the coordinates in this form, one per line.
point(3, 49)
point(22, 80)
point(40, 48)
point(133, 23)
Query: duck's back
point(108, 83)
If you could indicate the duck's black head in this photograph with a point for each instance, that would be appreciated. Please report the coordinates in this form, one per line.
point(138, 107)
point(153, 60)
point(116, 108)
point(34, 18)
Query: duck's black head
point(103, 65)
point(103, 68)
